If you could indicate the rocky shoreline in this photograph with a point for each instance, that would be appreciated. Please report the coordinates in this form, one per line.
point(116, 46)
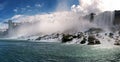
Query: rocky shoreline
point(90, 37)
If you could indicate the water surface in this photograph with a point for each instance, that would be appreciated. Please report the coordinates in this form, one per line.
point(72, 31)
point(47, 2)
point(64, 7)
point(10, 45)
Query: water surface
point(25, 51)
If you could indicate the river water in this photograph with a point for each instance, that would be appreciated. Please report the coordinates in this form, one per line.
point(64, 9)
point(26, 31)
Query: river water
point(25, 51)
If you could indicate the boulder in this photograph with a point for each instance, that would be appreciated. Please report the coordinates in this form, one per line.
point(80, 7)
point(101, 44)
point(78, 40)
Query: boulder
point(80, 35)
point(74, 36)
point(28, 39)
point(67, 38)
point(83, 41)
point(105, 34)
point(93, 41)
point(97, 41)
point(111, 35)
point(117, 42)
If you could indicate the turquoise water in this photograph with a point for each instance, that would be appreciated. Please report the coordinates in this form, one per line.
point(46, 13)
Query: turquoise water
point(24, 51)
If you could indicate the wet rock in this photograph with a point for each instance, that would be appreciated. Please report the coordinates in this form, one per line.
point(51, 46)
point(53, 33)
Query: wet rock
point(97, 34)
point(111, 35)
point(74, 36)
point(93, 41)
point(117, 41)
point(67, 38)
point(83, 41)
point(28, 39)
point(105, 34)
point(54, 35)
point(119, 33)
point(97, 41)
point(80, 35)
point(39, 38)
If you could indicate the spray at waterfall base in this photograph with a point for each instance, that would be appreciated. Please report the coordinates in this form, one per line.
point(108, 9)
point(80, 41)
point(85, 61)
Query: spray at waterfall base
point(101, 28)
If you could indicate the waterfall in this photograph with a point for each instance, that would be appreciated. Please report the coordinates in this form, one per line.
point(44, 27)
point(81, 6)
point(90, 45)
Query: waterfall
point(104, 20)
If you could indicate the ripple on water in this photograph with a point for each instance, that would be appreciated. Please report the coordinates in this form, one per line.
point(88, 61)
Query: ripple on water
point(56, 52)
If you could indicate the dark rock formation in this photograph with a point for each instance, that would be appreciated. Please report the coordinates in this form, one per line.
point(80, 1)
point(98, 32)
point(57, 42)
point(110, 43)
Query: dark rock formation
point(74, 36)
point(117, 42)
point(105, 34)
point(67, 38)
point(83, 41)
point(79, 35)
point(39, 38)
point(46, 37)
point(28, 39)
point(119, 33)
point(93, 41)
point(54, 35)
point(111, 35)
point(97, 41)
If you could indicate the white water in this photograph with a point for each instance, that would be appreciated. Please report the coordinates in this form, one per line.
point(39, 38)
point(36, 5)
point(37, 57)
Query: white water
point(67, 21)
point(104, 19)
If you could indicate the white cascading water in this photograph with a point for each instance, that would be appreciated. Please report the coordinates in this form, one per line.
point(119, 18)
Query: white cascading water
point(105, 19)
point(67, 21)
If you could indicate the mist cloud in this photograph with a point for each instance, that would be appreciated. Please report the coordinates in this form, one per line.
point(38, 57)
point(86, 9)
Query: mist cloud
point(58, 22)
point(61, 21)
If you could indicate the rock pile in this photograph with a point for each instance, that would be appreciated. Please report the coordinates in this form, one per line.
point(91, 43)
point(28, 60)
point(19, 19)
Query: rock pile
point(91, 37)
